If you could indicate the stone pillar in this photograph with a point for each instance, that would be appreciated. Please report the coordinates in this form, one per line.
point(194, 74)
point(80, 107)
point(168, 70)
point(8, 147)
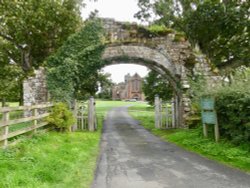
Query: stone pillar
point(35, 88)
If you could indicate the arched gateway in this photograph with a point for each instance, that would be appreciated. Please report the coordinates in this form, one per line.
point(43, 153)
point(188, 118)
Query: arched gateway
point(167, 53)
point(162, 53)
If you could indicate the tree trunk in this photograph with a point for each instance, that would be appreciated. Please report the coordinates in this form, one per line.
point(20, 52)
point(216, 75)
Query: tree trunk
point(26, 60)
point(3, 102)
point(21, 95)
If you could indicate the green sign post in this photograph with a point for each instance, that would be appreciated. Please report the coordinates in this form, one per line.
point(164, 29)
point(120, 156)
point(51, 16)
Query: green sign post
point(209, 116)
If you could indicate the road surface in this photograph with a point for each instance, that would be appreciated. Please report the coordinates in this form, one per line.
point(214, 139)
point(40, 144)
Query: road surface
point(131, 157)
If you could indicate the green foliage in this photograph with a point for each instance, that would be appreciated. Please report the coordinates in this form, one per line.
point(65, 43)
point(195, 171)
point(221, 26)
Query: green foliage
point(61, 117)
point(229, 26)
point(180, 37)
point(11, 75)
point(35, 29)
point(220, 28)
point(155, 84)
point(73, 71)
point(160, 30)
point(223, 151)
point(51, 160)
point(11, 81)
point(106, 86)
point(233, 108)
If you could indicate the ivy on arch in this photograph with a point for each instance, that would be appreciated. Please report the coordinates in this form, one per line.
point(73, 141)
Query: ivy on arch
point(72, 72)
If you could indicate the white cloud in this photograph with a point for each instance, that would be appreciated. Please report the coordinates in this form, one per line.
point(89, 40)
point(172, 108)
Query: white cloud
point(119, 71)
point(121, 10)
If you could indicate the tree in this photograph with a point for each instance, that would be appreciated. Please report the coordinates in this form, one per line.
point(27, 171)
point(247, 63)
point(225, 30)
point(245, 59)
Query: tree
point(227, 39)
point(10, 79)
point(220, 28)
point(106, 85)
point(155, 84)
point(10, 75)
point(35, 29)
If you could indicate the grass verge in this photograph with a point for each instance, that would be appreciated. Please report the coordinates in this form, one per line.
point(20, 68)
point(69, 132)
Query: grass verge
point(50, 160)
point(192, 140)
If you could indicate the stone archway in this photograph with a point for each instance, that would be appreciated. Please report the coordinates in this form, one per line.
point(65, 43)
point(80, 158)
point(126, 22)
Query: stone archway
point(154, 60)
point(146, 56)
point(134, 44)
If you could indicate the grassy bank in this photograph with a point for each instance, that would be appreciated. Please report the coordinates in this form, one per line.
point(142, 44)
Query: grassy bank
point(193, 140)
point(50, 160)
point(54, 159)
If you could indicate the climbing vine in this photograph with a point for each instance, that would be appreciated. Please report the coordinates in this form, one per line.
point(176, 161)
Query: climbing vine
point(73, 71)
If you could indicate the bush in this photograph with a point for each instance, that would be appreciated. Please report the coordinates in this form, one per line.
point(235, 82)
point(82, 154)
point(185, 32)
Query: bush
point(61, 117)
point(233, 109)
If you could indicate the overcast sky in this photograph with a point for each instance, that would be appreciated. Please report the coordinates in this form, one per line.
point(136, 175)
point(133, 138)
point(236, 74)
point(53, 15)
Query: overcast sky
point(120, 10)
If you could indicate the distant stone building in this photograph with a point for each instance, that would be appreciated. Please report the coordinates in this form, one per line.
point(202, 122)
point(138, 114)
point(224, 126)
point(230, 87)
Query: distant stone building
point(131, 88)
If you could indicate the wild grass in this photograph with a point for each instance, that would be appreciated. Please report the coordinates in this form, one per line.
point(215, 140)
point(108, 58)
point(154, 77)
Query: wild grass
point(51, 160)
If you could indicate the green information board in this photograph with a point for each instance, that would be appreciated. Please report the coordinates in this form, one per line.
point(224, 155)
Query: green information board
point(209, 117)
point(208, 103)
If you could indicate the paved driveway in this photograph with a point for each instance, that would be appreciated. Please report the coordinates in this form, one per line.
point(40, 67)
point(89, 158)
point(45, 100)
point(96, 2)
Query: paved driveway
point(131, 157)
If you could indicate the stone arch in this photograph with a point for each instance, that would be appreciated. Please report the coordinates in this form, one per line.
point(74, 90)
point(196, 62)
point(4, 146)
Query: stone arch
point(153, 59)
point(143, 55)
point(130, 43)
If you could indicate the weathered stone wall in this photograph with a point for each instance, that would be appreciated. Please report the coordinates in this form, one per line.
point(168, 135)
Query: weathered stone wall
point(35, 89)
point(161, 49)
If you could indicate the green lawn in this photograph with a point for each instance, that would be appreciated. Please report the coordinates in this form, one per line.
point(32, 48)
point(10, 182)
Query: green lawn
point(193, 140)
point(103, 106)
point(54, 159)
point(51, 160)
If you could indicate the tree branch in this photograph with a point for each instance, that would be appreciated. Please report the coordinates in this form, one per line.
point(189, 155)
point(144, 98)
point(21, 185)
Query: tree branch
point(10, 39)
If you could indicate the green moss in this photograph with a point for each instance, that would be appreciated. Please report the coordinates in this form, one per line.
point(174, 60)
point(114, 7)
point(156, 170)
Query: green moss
point(180, 37)
point(160, 30)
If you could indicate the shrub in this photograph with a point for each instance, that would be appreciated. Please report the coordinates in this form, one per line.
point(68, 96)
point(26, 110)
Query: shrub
point(61, 117)
point(233, 108)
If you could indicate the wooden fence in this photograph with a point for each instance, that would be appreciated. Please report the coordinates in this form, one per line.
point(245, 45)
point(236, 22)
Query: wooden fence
point(33, 115)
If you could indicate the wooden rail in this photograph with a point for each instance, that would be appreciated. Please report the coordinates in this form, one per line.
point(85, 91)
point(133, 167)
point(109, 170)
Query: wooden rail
point(6, 122)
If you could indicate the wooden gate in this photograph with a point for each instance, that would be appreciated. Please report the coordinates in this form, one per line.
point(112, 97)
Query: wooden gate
point(165, 114)
point(86, 115)
point(82, 115)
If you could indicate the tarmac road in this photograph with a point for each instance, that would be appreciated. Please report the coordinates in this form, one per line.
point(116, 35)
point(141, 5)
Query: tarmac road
point(131, 157)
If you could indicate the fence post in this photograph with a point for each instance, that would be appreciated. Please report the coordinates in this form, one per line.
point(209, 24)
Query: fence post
point(35, 113)
point(161, 118)
point(74, 108)
point(216, 131)
point(6, 117)
point(91, 114)
point(167, 118)
point(157, 111)
point(173, 113)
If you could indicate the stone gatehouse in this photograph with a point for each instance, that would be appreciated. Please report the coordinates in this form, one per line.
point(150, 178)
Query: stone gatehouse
point(131, 88)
